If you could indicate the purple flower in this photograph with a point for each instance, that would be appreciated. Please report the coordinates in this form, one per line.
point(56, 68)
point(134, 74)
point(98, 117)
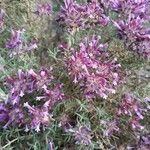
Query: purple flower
point(3, 113)
point(142, 143)
point(16, 40)
point(111, 127)
point(39, 117)
point(82, 136)
point(16, 117)
point(135, 124)
point(131, 107)
point(65, 122)
point(135, 7)
point(50, 145)
point(135, 35)
point(76, 16)
point(147, 100)
point(17, 43)
point(35, 88)
point(91, 68)
point(131, 27)
point(44, 9)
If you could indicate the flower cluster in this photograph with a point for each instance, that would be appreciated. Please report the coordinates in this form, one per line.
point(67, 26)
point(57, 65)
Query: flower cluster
point(30, 99)
point(82, 135)
point(131, 107)
point(44, 9)
point(143, 143)
point(91, 68)
point(111, 127)
point(2, 16)
point(135, 7)
point(132, 27)
point(147, 100)
point(3, 112)
point(17, 43)
point(80, 16)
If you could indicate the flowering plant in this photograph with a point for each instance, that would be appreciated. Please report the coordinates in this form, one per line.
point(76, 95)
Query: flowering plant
point(131, 107)
point(17, 44)
point(87, 67)
point(44, 9)
point(30, 99)
point(76, 16)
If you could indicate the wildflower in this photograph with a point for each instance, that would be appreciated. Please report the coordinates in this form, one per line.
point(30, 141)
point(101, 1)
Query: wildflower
point(34, 91)
point(111, 127)
point(142, 143)
point(131, 28)
point(16, 40)
point(16, 117)
point(135, 35)
point(91, 68)
point(130, 106)
point(147, 100)
point(44, 9)
point(65, 122)
point(50, 145)
point(135, 7)
point(76, 16)
point(82, 135)
point(39, 116)
point(135, 123)
point(3, 113)
point(132, 109)
point(17, 43)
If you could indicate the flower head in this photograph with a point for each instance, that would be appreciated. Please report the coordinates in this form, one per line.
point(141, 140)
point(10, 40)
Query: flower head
point(142, 142)
point(111, 127)
point(135, 34)
point(3, 113)
point(17, 44)
point(44, 9)
point(16, 40)
point(82, 136)
point(32, 95)
point(134, 7)
point(131, 107)
point(76, 16)
point(91, 68)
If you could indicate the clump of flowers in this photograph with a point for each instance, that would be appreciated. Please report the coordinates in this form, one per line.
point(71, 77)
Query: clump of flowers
point(142, 143)
point(135, 35)
point(136, 7)
point(44, 9)
point(17, 43)
point(147, 100)
point(76, 16)
point(133, 15)
point(82, 135)
point(3, 112)
point(131, 108)
point(65, 122)
point(2, 18)
point(111, 127)
point(91, 68)
point(31, 96)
